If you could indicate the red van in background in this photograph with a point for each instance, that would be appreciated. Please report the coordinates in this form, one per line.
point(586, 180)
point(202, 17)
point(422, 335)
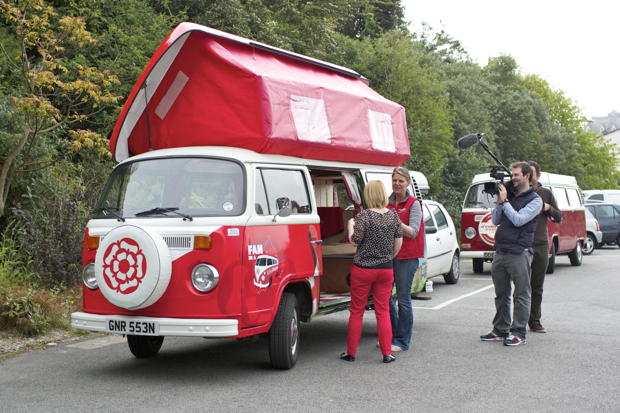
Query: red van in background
point(567, 237)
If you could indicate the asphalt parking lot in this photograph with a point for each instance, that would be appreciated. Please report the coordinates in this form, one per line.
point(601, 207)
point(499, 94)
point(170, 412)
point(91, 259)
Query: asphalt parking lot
point(572, 368)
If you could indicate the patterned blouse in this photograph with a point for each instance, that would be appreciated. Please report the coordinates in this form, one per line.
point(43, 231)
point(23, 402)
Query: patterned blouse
point(374, 234)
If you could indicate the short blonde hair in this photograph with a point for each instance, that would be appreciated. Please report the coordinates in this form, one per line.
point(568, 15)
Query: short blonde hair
point(375, 194)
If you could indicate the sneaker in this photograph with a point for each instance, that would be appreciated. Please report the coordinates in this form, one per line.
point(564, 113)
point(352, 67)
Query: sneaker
point(537, 328)
point(396, 348)
point(513, 341)
point(491, 336)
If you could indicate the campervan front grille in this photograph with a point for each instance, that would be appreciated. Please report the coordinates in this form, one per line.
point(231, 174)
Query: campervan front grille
point(178, 241)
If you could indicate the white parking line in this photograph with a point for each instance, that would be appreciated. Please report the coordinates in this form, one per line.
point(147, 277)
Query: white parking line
point(442, 305)
point(99, 342)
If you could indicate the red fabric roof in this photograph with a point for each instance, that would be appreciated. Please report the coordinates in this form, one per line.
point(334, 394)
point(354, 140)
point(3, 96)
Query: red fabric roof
point(210, 88)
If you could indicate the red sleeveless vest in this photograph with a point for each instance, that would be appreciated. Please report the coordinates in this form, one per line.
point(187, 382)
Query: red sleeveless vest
point(412, 247)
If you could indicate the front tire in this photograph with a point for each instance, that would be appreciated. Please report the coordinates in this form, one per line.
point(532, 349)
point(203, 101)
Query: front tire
point(455, 270)
point(576, 255)
point(478, 265)
point(589, 244)
point(551, 265)
point(144, 346)
point(284, 334)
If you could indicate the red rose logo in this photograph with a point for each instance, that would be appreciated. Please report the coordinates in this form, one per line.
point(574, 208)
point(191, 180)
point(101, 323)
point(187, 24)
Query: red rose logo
point(124, 266)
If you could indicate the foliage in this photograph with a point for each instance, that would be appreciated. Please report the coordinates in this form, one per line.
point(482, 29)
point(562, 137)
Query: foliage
point(29, 312)
point(14, 260)
point(56, 90)
point(25, 314)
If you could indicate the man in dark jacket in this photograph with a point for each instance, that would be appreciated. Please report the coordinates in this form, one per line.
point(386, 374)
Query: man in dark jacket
point(541, 247)
point(516, 215)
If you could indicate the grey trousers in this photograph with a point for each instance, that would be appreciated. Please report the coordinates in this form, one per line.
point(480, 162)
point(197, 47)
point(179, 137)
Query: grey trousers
point(508, 269)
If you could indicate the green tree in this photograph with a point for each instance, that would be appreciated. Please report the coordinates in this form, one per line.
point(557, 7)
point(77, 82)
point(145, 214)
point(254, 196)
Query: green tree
point(56, 91)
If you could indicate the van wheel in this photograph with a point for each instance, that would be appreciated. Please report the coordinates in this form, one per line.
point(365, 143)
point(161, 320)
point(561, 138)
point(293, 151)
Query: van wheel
point(284, 334)
point(551, 265)
point(144, 346)
point(478, 265)
point(576, 255)
point(589, 244)
point(455, 271)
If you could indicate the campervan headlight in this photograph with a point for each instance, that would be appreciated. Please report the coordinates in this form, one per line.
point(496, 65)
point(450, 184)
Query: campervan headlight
point(470, 233)
point(205, 277)
point(88, 275)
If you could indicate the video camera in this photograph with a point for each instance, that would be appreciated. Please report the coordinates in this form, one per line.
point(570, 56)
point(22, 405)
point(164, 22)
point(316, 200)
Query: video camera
point(489, 187)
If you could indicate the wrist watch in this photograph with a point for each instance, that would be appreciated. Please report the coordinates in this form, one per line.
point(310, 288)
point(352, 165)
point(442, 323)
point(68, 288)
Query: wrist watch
point(504, 201)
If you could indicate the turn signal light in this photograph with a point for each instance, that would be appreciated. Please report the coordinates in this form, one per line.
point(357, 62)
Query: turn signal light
point(92, 243)
point(202, 242)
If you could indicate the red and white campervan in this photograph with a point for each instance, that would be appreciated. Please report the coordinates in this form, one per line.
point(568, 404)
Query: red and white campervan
point(224, 217)
point(567, 237)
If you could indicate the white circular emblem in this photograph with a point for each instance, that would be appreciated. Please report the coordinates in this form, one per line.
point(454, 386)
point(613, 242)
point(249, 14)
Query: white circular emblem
point(486, 229)
point(228, 206)
point(133, 267)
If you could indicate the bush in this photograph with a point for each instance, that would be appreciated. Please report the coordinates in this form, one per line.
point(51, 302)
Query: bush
point(29, 312)
point(14, 261)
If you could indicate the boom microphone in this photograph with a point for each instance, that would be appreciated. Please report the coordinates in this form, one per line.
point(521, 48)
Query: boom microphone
point(467, 141)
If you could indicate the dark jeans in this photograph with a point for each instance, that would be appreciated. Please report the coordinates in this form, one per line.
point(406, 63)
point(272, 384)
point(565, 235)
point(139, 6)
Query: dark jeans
point(402, 317)
point(510, 268)
point(539, 269)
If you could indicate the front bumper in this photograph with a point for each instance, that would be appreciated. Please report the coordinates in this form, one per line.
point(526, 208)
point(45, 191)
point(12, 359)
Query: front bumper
point(478, 254)
point(183, 327)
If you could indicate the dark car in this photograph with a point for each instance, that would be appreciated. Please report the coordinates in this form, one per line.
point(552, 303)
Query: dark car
point(608, 217)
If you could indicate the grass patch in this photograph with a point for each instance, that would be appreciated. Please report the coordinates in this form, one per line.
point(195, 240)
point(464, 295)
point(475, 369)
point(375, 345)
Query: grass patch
point(30, 312)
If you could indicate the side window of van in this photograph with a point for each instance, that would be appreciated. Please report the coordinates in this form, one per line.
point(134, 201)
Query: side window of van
point(285, 183)
point(596, 197)
point(573, 197)
point(560, 196)
point(260, 203)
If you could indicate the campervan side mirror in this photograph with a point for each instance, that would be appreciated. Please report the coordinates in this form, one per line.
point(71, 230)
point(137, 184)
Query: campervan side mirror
point(284, 208)
point(430, 230)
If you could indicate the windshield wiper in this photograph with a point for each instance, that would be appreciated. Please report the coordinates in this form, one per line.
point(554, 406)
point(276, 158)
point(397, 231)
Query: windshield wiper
point(163, 211)
point(111, 211)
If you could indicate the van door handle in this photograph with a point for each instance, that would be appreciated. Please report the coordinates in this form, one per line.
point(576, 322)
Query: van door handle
point(318, 241)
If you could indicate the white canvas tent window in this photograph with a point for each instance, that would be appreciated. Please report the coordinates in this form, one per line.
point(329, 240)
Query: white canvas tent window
point(171, 95)
point(380, 125)
point(310, 119)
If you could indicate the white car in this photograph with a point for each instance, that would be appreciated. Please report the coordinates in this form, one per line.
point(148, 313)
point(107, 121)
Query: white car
point(442, 248)
point(594, 235)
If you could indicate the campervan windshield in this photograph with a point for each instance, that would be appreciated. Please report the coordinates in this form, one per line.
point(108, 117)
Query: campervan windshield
point(476, 198)
point(174, 187)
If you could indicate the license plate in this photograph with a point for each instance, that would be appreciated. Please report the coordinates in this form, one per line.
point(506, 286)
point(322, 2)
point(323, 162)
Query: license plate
point(489, 254)
point(134, 327)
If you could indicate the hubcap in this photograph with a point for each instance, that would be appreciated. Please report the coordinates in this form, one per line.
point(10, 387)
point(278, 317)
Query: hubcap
point(294, 332)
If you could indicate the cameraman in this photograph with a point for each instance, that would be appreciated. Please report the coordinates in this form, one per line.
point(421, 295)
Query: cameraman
point(541, 247)
point(517, 215)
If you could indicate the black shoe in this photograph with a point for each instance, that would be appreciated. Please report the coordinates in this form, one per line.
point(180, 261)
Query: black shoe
point(348, 357)
point(388, 358)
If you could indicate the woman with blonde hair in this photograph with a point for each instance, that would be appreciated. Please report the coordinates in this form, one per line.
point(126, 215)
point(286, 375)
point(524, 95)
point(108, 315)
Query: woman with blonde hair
point(377, 234)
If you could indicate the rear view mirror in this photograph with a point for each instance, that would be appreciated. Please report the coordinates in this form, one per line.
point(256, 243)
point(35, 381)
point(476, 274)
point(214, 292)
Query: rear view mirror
point(430, 230)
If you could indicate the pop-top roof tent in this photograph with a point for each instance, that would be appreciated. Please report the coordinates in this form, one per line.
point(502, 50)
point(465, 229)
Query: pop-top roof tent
point(205, 87)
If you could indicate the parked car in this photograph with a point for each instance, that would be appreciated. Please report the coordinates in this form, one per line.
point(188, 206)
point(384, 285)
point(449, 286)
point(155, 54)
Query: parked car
point(602, 195)
point(608, 217)
point(594, 236)
point(442, 248)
